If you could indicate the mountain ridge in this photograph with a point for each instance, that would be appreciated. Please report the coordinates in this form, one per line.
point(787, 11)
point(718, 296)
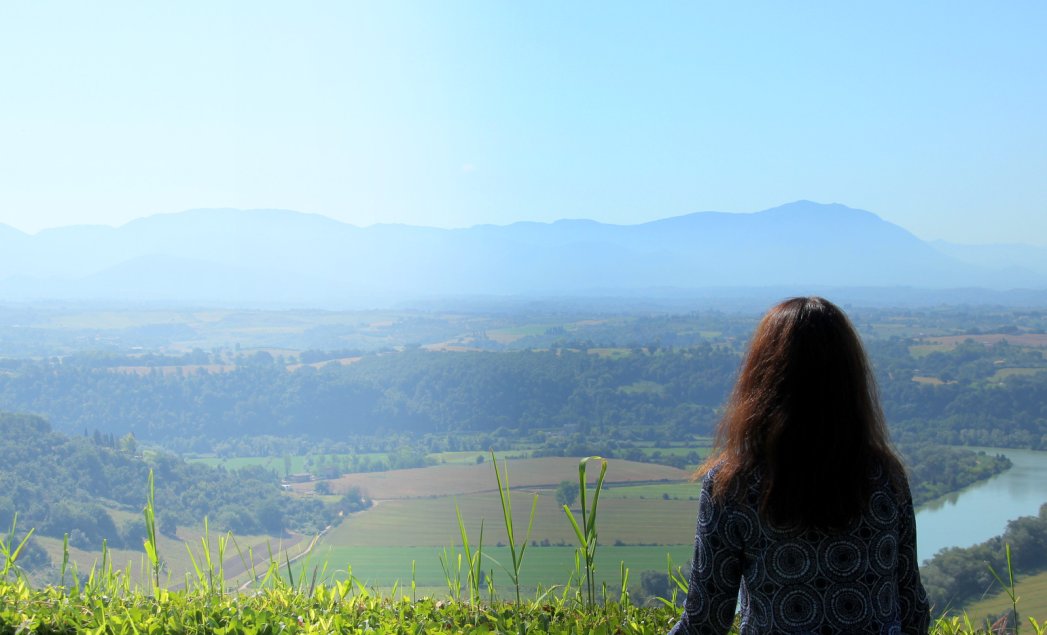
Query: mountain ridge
point(284, 255)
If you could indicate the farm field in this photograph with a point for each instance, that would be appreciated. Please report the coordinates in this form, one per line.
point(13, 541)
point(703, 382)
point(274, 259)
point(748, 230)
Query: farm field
point(382, 567)
point(468, 457)
point(682, 491)
point(276, 463)
point(414, 519)
point(432, 521)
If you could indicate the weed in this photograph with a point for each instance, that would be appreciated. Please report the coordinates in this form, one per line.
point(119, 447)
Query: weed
point(586, 532)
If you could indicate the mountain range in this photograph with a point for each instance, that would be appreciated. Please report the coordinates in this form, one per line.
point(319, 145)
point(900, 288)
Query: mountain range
point(281, 257)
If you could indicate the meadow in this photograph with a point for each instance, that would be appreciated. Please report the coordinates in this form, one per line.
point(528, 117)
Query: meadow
point(415, 522)
point(1032, 593)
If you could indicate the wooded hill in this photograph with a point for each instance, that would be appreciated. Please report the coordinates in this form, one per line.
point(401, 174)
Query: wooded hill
point(59, 484)
point(654, 393)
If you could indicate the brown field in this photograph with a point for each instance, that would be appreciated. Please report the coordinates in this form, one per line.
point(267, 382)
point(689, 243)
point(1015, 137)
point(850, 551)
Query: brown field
point(342, 361)
point(933, 381)
point(447, 480)
point(1032, 340)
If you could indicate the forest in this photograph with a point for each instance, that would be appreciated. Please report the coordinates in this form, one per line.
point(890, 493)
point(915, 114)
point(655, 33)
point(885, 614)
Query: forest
point(973, 394)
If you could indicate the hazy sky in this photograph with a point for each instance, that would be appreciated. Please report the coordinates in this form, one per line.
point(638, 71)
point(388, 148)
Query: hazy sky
point(931, 114)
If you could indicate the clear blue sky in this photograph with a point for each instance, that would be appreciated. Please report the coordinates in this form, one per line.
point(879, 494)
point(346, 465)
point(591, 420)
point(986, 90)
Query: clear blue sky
point(931, 114)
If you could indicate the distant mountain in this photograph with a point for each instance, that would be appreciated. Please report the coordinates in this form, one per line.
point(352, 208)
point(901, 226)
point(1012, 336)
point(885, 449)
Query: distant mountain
point(275, 257)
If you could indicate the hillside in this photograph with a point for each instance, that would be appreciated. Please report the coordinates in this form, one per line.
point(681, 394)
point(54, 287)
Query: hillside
point(94, 488)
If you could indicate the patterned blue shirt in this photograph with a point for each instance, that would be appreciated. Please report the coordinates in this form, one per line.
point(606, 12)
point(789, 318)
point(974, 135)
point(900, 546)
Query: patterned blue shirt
point(862, 579)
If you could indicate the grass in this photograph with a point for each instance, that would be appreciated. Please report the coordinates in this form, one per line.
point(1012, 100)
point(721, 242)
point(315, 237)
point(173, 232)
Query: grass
point(432, 522)
point(313, 597)
point(1003, 373)
point(173, 552)
point(675, 491)
point(923, 350)
point(384, 566)
point(468, 457)
point(1033, 603)
point(275, 463)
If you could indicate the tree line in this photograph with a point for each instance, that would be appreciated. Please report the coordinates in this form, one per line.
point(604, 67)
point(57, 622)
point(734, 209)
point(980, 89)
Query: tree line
point(676, 391)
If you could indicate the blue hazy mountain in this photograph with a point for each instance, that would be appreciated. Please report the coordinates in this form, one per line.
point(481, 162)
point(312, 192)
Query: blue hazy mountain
point(285, 257)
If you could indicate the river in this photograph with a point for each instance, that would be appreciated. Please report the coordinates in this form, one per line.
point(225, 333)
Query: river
point(982, 510)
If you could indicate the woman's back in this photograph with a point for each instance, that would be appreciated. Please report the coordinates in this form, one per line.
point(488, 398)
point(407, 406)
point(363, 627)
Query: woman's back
point(805, 516)
point(860, 578)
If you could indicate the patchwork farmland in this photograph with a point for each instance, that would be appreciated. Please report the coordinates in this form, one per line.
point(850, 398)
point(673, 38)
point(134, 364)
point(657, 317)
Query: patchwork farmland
point(646, 515)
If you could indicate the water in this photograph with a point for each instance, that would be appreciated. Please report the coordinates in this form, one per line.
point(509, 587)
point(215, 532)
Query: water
point(982, 510)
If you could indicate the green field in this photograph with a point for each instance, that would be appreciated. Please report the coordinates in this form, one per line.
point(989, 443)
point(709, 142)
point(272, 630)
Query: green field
point(1032, 593)
point(384, 566)
point(923, 350)
point(276, 463)
point(636, 525)
point(1003, 373)
point(469, 457)
point(432, 521)
point(681, 491)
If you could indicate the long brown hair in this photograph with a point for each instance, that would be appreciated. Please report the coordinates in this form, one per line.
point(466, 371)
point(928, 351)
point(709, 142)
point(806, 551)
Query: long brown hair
point(805, 418)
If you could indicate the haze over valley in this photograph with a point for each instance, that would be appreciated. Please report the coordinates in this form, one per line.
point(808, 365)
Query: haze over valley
point(320, 317)
point(281, 258)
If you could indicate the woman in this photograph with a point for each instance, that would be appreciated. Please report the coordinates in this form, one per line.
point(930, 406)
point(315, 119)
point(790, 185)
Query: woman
point(805, 520)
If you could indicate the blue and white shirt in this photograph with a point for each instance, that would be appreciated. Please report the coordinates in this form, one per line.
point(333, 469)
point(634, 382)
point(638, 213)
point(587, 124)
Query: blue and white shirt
point(862, 579)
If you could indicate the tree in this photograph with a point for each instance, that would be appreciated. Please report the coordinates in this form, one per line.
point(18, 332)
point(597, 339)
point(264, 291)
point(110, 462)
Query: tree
point(128, 444)
point(566, 493)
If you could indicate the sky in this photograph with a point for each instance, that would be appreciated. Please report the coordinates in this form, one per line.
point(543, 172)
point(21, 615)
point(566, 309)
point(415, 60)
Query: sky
point(932, 115)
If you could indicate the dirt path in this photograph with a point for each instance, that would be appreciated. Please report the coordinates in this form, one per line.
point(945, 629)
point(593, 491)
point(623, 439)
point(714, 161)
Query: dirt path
point(235, 566)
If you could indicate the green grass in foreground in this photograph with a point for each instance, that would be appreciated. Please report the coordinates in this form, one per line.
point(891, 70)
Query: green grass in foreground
point(106, 605)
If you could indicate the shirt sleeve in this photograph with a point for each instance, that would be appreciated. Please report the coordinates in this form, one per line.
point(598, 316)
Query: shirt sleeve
point(712, 593)
point(915, 611)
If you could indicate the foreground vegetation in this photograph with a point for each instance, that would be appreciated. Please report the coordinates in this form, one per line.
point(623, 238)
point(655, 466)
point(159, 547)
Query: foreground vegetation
point(277, 600)
point(108, 602)
point(340, 608)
